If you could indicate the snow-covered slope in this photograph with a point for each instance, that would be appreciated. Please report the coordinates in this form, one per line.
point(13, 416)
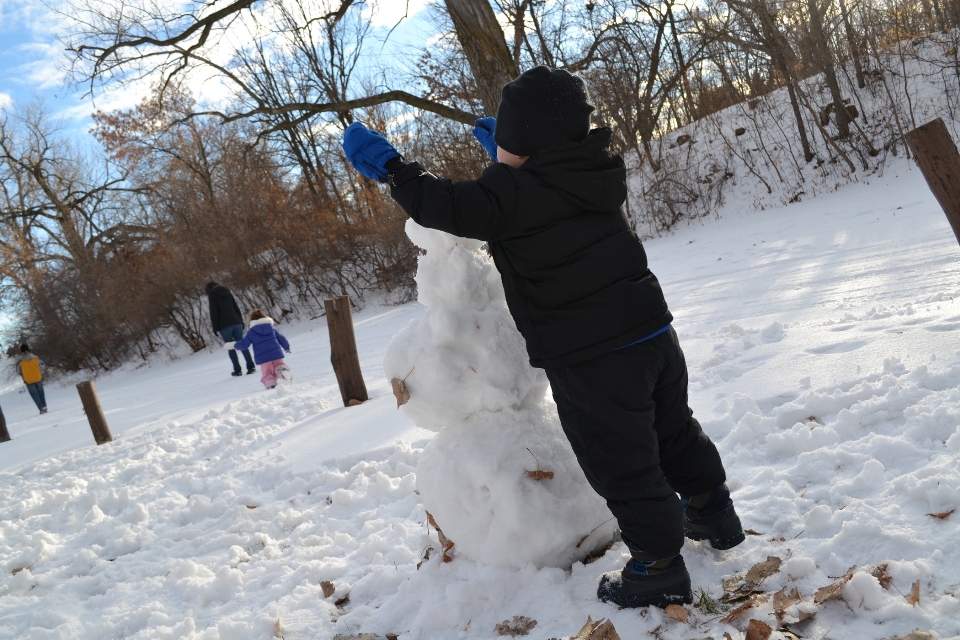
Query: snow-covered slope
point(823, 341)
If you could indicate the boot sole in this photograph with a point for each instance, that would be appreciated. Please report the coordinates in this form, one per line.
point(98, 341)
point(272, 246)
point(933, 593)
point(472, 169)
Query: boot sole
point(722, 530)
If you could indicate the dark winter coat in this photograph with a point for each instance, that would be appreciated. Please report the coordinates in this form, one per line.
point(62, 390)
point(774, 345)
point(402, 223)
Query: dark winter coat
point(574, 273)
point(224, 311)
point(268, 343)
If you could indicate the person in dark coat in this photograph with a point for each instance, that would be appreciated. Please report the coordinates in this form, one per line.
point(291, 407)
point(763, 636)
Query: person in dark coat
point(592, 314)
point(269, 346)
point(227, 322)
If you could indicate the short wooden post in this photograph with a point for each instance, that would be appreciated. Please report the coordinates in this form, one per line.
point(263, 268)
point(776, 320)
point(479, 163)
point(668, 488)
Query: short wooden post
point(4, 434)
point(343, 351)
point(939, 162)
point(91, 406)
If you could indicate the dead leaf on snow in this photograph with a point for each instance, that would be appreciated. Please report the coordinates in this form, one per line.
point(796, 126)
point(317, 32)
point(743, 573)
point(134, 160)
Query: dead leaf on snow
point(519, 626)
point(342, 601)
point(445, 543)
point(755, 600)
point(880, 573)
point(783, 601)
point(400, 391)
point(914, 596)
point(751, 532)
point(833, 590)
point(915, 635)
point(677, 612)
point(763, 570)
point(327, 587)
point(597, 630)
point(393, 636)
point(540, 475)
point(787, 634)
point(942, 516)
point(250, 506)
point(757, 630)
point(278, 630)
point(17, 570)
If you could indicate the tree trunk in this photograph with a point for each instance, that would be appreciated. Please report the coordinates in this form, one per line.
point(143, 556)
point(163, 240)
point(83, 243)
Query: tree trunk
point(827, 66)
point(852, 42)
point(486, 49)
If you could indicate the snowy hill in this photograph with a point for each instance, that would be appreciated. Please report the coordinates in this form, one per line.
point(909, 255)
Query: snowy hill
point(823, 341)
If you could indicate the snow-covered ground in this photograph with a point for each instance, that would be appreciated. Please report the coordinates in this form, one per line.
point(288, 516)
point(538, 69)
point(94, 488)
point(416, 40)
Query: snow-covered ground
point(823, 341)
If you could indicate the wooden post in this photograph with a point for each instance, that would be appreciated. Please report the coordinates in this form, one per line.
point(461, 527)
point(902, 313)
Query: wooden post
point(91, 406)
point(343, 351)
point(939, 162)
point(4, 434)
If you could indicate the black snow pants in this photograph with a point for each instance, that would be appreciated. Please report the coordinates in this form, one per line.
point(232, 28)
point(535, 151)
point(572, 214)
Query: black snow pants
point(626, 416)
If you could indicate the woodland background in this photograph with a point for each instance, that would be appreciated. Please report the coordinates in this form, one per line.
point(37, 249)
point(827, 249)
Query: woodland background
point(104, 253)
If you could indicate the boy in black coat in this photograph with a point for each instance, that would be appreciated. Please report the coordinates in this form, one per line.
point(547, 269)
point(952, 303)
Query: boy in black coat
point(592, 314)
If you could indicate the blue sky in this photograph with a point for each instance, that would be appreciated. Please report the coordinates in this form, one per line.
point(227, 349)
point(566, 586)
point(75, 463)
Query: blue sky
point(32, 61)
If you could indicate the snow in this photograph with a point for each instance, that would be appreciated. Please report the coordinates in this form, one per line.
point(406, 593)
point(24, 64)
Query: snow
point(824, 361)
point(465, 366)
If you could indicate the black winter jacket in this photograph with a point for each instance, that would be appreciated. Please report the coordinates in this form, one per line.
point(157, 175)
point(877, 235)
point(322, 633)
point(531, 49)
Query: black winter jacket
point(574, 273)
point(224, 311)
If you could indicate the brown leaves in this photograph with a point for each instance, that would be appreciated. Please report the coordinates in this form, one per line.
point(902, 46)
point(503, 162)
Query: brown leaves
point(597, 630)
point(677, 612)
point(757, 630)
point(783, 601)
point(538, 474)
point(914, 596)
point(833, 590)
point(400, 391)
point(329, 589)
point(880, 573)
point(942, 516)
point(519, 626)
point(250, 506)
point(763, 570)
point(755, 600)
point(445, 544)
point(17, 570)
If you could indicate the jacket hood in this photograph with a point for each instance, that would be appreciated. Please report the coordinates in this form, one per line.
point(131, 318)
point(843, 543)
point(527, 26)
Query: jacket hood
point(220, 291)
point(585, 171)
point(256, 323)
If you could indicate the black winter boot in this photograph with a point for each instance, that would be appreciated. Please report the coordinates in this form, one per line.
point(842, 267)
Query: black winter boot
point(644, 584)
point(711, 516)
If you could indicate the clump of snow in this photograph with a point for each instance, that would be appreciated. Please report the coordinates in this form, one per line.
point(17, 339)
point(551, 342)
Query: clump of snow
point(465, 366)
point(465, 355)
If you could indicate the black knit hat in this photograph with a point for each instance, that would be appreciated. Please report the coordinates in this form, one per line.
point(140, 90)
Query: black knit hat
point(541, 109)
point(24, 348)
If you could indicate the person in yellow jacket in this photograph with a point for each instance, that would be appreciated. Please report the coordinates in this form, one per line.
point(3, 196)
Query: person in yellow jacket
point(31, 369)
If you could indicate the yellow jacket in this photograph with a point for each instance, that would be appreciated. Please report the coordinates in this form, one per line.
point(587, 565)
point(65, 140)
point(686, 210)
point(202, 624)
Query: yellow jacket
point(29, 367)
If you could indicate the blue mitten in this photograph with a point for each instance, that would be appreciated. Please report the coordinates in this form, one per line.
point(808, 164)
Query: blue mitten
point(368, 151)
point(483, 132)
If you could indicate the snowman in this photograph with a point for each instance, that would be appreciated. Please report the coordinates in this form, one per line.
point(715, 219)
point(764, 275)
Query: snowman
point(499, 478)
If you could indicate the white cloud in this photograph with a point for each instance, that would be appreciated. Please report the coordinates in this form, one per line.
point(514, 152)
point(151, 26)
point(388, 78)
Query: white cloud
point(5, 100)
